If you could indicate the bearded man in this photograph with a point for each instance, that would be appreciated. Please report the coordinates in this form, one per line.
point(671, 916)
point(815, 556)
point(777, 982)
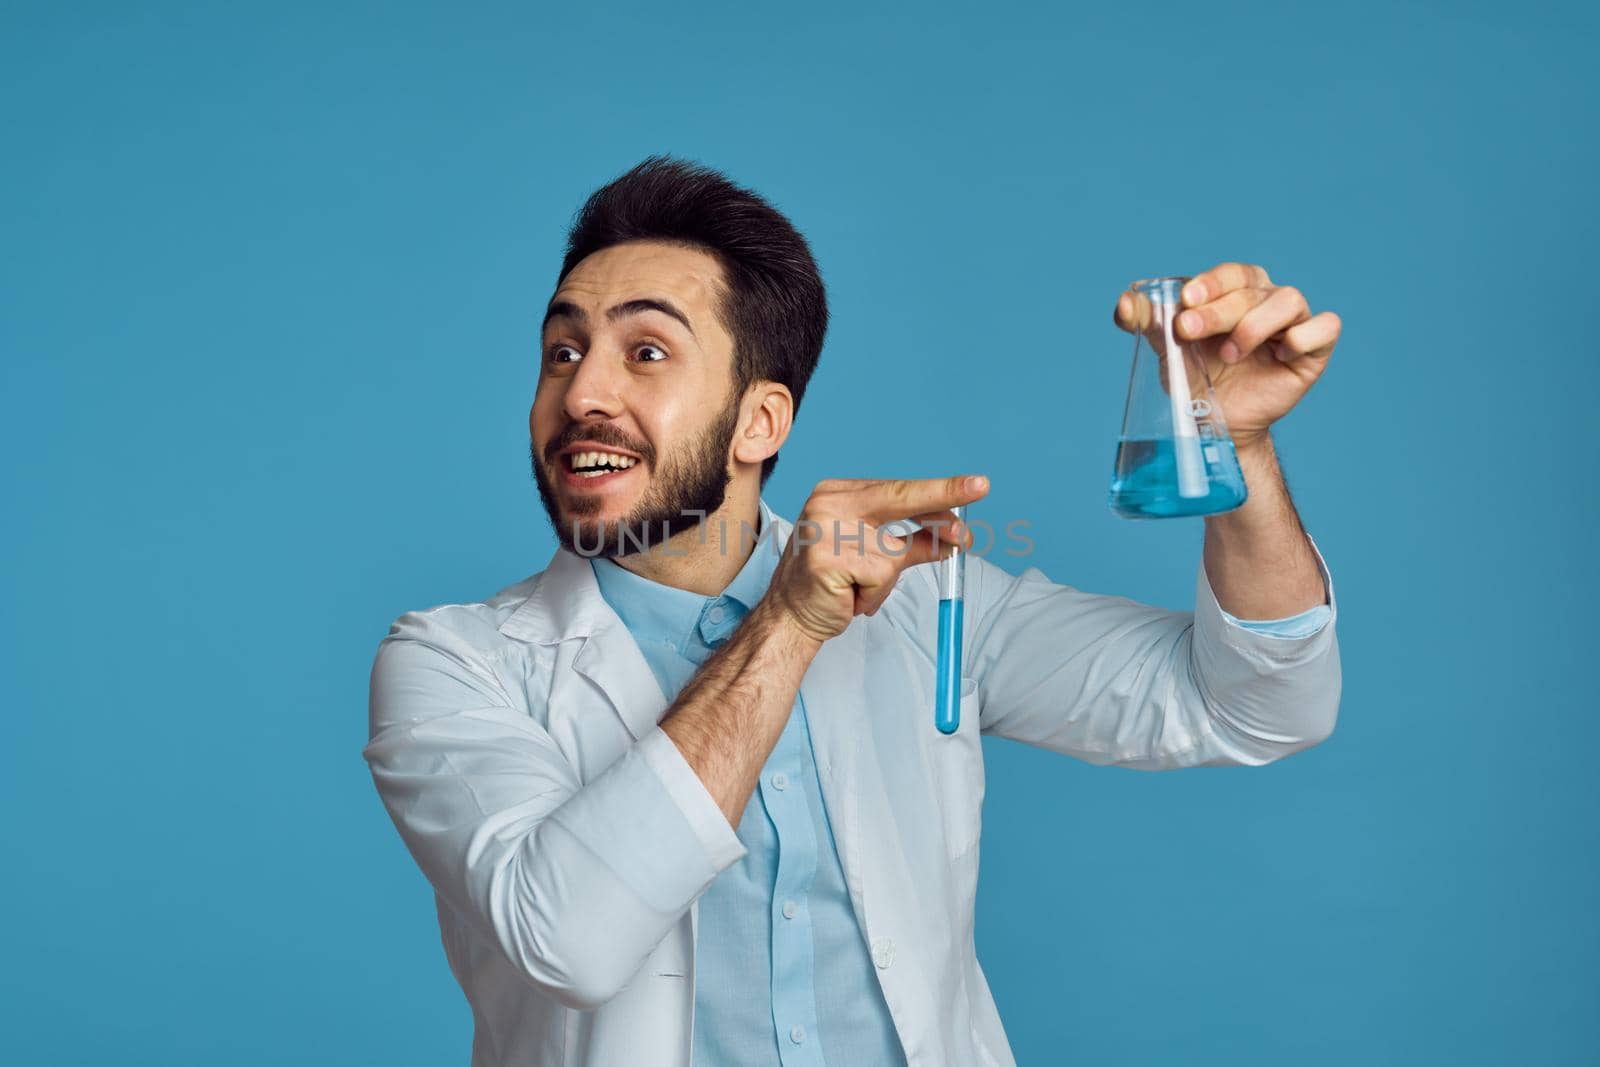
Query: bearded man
point(680, 795)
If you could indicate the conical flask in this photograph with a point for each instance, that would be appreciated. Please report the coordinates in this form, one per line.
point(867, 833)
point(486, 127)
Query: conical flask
point(1174, 457)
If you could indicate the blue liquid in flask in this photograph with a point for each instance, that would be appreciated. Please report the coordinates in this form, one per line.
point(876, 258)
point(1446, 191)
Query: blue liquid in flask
point(1145, 483)
point(947, 698)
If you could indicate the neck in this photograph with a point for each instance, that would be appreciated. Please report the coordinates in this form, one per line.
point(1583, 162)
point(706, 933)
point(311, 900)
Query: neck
point(683, 562)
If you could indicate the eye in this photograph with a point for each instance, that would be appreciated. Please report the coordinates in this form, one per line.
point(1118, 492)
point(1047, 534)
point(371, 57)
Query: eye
point(642, 354)
point(564, 354)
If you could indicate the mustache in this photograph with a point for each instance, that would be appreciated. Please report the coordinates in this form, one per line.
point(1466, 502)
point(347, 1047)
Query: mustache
point(603, 433)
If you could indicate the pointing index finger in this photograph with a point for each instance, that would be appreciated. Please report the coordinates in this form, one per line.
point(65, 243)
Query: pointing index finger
point(903, 498)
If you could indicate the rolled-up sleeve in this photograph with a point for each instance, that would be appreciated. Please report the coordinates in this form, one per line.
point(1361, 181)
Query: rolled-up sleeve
point(1304, 624)
point(1113, 681)
point(576, 882)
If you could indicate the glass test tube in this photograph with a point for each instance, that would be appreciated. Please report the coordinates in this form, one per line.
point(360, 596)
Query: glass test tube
point(947, 691)
point(1192, 481)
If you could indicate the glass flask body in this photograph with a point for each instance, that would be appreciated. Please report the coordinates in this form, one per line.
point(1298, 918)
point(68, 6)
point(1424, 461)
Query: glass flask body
point(1174, 457)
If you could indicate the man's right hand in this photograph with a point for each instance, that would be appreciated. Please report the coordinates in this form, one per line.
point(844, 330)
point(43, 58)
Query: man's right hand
point(840, 563)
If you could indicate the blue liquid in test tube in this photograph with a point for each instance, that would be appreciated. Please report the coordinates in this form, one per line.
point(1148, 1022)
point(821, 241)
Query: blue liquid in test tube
point(947, 683)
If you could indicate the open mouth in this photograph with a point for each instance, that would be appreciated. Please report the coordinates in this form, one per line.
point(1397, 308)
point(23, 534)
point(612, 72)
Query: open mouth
point(590, 467)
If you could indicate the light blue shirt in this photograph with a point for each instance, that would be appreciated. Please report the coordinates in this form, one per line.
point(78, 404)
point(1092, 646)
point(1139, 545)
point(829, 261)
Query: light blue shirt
point(780, 919)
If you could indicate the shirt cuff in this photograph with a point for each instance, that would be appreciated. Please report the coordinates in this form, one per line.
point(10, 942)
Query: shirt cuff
point(1304, 624)
point(1273, 638)
point(710, 825)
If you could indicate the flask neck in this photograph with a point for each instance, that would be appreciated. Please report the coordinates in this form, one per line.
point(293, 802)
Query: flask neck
point(1162, 292)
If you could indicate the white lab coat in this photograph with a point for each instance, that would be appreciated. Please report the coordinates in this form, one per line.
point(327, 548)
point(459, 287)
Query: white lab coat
point(515, 744)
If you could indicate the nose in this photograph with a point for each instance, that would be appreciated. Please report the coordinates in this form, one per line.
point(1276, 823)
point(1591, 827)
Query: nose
point(595, 391)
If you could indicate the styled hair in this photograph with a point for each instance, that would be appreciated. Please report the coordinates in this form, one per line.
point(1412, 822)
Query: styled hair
point(774, 305)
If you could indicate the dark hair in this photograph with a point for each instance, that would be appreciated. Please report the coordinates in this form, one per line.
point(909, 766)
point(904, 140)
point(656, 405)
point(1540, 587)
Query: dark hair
point(774, 308)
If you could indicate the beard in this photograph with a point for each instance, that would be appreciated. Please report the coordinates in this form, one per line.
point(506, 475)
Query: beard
point(688, 485)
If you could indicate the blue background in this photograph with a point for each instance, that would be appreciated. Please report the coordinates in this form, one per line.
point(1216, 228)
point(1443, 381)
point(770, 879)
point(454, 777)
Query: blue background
point(271, 287)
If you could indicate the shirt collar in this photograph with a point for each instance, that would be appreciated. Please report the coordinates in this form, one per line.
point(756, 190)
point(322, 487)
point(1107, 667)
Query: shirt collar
point(654, 611)
point(750, 584)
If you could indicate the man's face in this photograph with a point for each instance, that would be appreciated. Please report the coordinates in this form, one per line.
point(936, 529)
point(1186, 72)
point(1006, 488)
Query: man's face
point(634, 412)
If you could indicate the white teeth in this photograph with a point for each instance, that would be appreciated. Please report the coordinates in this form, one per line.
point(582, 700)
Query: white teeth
point(579, 460)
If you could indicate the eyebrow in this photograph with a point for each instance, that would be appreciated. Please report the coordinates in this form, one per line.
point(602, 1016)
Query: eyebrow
point(567, 309)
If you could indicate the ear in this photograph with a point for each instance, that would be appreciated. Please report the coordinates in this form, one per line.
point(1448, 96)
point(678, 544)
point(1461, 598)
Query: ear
point(765, 415)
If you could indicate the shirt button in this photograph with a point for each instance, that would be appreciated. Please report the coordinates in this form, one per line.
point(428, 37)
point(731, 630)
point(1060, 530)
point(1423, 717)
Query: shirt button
point(883, 953)
point(780, 781)
point(715, 614)
point(789, 909)
point(798, 1035)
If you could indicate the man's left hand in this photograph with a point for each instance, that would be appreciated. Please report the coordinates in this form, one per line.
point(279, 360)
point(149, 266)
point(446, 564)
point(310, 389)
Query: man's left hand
point(1262, 345)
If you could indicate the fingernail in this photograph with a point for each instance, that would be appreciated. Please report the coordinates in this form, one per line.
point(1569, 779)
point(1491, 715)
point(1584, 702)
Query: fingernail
point(956, 530)
point(977, 483)
point(1194, 293)
point(1191, 321)
point(1229, 351)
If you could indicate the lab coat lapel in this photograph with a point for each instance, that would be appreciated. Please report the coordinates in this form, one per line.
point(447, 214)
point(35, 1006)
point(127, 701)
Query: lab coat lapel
point(841, 738)
point(611, 659)
point(566, 605)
